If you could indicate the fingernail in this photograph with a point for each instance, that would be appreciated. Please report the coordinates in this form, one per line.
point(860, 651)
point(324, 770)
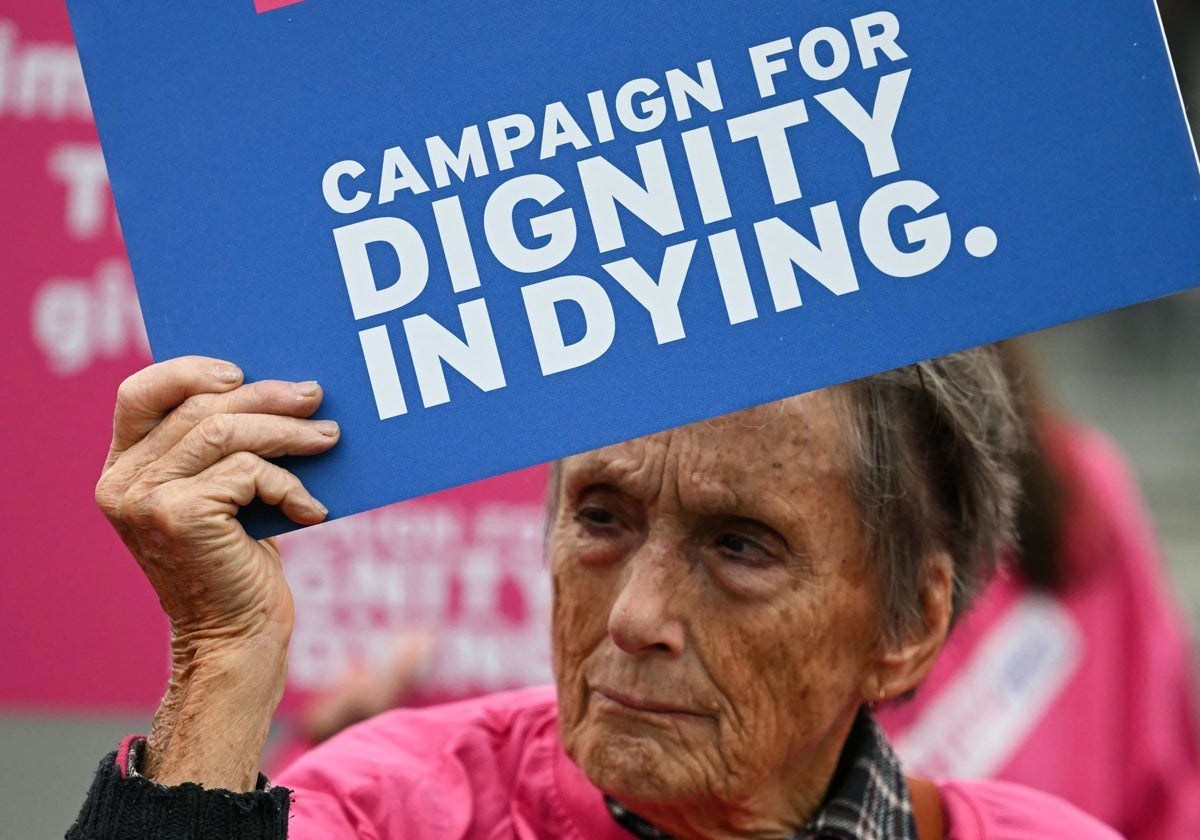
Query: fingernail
point(324, 511)
point(329, 428)
point(227, 373)
point(305, 389)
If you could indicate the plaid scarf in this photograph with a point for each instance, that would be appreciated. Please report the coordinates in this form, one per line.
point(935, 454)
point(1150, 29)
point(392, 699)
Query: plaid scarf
point(867, 798)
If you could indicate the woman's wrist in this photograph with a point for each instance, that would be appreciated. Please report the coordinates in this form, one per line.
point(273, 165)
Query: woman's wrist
point(214, 719)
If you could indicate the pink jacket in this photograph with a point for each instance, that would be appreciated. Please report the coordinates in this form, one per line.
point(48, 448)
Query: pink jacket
point(493, 768)
point(1089, 695)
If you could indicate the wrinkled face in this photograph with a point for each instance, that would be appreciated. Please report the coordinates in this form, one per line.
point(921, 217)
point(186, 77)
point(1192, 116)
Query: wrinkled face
point(714, 621)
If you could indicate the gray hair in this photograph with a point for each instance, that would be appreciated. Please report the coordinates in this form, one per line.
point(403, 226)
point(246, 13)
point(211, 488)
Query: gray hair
point(935, 470)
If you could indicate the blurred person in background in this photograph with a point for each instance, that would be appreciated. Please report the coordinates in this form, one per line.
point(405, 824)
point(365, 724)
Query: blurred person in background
point(1073, 672)
point(364, 689)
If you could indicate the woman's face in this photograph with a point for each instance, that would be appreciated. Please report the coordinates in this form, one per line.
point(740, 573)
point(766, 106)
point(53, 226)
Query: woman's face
point(715, 627)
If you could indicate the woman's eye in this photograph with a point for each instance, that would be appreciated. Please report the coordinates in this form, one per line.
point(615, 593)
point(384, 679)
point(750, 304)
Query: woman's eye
point(733, 543)
point(596, 516)
point(743, 550)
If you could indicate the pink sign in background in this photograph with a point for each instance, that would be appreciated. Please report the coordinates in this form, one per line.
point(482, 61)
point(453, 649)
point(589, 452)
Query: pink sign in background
point(79, 627)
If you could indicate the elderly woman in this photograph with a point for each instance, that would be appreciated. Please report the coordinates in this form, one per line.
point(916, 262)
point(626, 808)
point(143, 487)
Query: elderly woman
point(730, 598)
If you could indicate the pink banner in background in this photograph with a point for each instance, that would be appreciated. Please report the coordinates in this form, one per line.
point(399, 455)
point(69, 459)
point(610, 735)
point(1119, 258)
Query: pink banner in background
point(77, 624)
point(79, 627)
point(261, 6)
point(464, 566)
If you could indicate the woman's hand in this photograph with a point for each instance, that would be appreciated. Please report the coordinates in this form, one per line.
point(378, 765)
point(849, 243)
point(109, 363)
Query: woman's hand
point(190, 443)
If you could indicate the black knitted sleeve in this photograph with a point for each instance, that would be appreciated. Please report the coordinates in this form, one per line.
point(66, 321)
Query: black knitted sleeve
point(119, 808)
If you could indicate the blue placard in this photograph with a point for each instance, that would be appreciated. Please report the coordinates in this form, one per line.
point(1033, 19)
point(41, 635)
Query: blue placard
point(503, 233)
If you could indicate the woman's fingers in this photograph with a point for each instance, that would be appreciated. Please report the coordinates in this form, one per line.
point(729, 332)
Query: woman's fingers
point(189, 443)
point(152, 393)
point(218, 436)
point(248, 477)
point(243, 439)
point(287, 399)
point(198, 508)
point(290, 399)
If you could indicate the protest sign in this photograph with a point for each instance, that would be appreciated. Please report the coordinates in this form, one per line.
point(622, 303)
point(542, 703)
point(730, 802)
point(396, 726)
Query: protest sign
point(502, 234)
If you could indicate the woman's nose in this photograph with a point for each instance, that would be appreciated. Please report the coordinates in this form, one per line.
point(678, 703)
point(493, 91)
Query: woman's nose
point(646, 618)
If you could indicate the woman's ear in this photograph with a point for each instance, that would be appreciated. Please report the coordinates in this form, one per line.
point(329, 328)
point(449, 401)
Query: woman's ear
point(901, 667)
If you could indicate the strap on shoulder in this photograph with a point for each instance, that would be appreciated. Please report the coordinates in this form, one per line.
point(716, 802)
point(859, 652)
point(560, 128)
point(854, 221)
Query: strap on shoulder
point(927, 808)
